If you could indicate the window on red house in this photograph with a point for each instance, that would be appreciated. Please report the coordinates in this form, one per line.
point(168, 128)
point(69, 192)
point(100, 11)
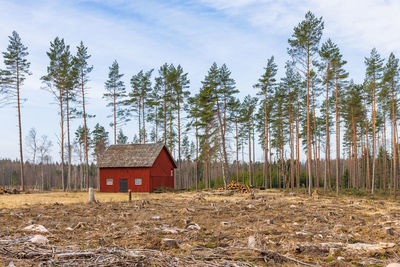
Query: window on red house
point(109, 181)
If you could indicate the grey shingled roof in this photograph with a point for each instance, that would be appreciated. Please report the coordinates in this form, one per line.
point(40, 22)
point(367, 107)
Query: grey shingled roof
point(132, 155)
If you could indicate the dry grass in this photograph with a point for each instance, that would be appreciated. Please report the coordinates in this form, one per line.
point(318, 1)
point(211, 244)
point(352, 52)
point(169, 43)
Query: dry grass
point(319, 230)
point(25, 200)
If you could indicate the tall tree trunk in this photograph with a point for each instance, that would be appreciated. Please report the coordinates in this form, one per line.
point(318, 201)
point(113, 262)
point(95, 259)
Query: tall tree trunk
point(315, 139)
point(363, 160)
point(283, 167)
point(237, 152)
point(319, 150)
point(350, 179)
point(266, 132)
point(21, 156)
point(269, 165)
point(226, 162)
point(197, 155)
point(115, 118)
point(337, 138)
point(69, 144)
point(355, 150)
point(85, 131)
point(222, 133)
point(395, 180)
point(165, 116)
point(384, 153)
point(328, 145)
point(242, 147)
point(156, 124)
point(179, 142)
point(254, 153)
point(140, 119)
point(394, 145)
point(62, 136)
point(144, 122)
point(367, 146)
point(373, 139)
point(325, 170)
point(250, 176)
point(170, 127)
point(81, 164)
point(297, 149)
point(308, 126)
point(291, 144)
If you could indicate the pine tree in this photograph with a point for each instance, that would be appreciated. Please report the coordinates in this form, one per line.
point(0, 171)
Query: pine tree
point(12, 78)
point(83, 69)
point(70, 88)
point(121, 139)
point(247, 117)
point(290, 85)
point(353, 114)
point(194, 116)
point(115, 94)
point(139, 99)
point(304, 44)
point(153, 115)
point(234, 107)
point(280, 118)
point(391, 81)
point(328, 52)
point(315, 93)
point(163, 89)
point(339, 75)
point(208, 125)
point(266, 84)
point(225, 91)
point(56, 81)
point(374, 68)
point(180, 93)
point(99, 141)
point(82, 138)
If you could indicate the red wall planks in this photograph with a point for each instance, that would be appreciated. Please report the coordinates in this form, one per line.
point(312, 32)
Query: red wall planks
point(125, 173)
point(162, 172)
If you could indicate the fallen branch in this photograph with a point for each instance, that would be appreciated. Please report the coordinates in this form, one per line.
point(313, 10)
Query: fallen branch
point(71, 255)
point(277, 257)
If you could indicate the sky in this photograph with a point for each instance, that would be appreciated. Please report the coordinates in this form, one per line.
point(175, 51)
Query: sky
point(144, 34)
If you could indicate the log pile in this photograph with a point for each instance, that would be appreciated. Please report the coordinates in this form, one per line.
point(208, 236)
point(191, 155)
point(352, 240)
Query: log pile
point(236, 187)
point(5, 191)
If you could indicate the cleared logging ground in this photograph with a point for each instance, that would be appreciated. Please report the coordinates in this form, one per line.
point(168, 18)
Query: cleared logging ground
point(211, 230)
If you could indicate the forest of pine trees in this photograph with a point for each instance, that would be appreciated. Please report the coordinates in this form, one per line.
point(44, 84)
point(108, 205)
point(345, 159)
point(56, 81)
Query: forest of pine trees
point(313, 127)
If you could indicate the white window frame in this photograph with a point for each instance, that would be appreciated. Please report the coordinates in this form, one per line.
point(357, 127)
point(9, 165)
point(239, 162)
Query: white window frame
point(108, 181)
point(172, 172)
point(138, 180)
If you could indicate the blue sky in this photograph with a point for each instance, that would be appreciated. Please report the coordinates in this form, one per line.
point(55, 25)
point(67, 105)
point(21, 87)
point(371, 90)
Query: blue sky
point(145, 34)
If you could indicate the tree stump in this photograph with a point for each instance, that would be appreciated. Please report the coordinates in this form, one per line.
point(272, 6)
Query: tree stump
point(91, 196)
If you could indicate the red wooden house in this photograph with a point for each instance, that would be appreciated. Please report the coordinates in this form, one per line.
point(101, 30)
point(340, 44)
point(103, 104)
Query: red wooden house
point(138, 167)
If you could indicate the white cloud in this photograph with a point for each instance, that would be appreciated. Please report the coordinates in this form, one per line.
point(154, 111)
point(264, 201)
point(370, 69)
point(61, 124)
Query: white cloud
point(145, 34)
point(138, 35)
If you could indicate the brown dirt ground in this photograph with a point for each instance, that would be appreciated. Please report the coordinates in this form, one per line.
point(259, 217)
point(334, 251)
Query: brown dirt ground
point(289, 228)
